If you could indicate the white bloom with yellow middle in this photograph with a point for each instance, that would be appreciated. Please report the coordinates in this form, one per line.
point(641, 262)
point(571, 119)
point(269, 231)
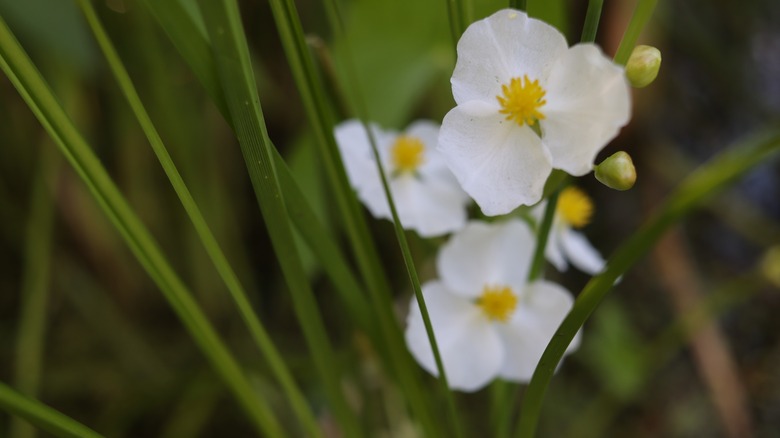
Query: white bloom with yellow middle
point(573, 211)
point(426, 194)
point(488, 321)
point(527, 103)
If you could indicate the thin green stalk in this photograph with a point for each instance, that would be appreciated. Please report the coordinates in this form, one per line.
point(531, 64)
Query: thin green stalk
point(644, 9)
point(709, 178)
point(591, 25)
point(458, 18)
point(543, 234)
point(231, 55)
point(210, 244)
point(336, 22)
point(520, 5)
point(43, 416)
point(35, 286)
point(316, 105)
point(38, 96)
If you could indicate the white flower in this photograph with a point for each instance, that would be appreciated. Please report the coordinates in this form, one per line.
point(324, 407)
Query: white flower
point(527, 103)
point(426, 194)
point(573, 210)
point(487, 320)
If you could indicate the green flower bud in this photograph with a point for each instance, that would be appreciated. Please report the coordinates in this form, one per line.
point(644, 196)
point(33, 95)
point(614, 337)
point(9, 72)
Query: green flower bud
point(617, 172)
point(643, 66)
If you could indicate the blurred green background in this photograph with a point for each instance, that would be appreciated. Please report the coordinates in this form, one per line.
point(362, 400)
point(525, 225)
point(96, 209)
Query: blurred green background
point(117, 359)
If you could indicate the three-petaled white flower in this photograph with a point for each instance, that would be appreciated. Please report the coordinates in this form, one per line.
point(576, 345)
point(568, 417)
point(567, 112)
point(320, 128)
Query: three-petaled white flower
point(426, 194)
point(527, 103)
point(574, 210)
point(488, 321)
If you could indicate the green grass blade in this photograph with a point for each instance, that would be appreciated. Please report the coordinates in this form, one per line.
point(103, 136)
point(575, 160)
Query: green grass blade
point(642, 13)
point(35, 286)
point(591, 26)
point(237, 292)
point(711, 177)
point(38, 96)
point(43, 416)
point(231, 56)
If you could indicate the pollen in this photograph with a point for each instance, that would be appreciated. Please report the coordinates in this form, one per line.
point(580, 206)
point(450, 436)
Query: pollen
point(407, 154)
point(521, 101)
point(575, 207)
point(498, 303)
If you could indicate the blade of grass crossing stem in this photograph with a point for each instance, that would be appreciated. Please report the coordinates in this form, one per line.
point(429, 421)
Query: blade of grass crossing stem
point(36, 93)
point(35, 286)
point(316, 105)
point(642, 13)
point(337, 25)
point(195, 49)
point(258, 332)
point(716, 174)
point(43, 416)
point(231, 55)
point(592, 17)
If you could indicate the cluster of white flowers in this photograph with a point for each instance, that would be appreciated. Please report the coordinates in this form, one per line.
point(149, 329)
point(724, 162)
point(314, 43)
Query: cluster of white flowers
point(526, 104)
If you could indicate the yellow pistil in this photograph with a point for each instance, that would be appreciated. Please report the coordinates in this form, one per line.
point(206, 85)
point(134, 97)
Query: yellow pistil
point(522, 100)
point(574, 207)
point(498, 302)
point(407, 154)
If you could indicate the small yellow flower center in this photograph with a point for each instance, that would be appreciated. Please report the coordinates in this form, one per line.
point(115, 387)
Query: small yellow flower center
point(574, 207)
point(407, 153)
point(522, 100)
point(498, 302)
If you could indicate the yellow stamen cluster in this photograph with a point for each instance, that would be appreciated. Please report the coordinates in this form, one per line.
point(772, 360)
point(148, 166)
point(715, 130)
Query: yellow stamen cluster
point(522, 100)
point(498, 302)
point(574, 207)
point(407, 154)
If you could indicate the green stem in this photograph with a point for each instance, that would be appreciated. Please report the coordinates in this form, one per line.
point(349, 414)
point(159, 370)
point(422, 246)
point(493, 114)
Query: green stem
point(520, 5)
point(43, 416)
point(642, 13)
point(209, 242)
point(542, 236)
point(591, 25)
point(711, 177)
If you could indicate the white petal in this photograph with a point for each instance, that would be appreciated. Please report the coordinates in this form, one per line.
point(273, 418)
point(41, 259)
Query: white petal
point(431, 207)
point(354, 146)
point(552, 251)
point(505, 45)
point(588, 101)
point(581, 253)
point(469, 345)
point(481, 254)
point(542, 308)
point(499, 164)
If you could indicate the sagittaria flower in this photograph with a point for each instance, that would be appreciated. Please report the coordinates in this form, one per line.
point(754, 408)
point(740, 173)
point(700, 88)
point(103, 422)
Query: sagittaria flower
point(426, 194)
point(488, 321)
point(574, 210)
point(527, 103)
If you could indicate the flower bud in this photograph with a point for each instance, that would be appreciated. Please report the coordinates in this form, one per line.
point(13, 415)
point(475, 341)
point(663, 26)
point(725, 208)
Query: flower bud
point(617, 172)
point(643, 66)
point(770, 265)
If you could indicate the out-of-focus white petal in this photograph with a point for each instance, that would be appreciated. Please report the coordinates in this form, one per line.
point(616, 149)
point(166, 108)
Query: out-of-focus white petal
point(553, 251)
point(505, 45)
point(430, 207)
point(588, 101)
point(581, 253)
point(355, 148)
point(481, 254)
point(499, 164)
point(469, 345)
point(542, 308)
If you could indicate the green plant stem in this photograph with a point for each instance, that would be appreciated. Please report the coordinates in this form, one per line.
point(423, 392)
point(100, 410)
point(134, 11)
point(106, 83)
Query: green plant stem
point(35, 286)
point(520, 5)
point(711, 177)
point(43, 416)
point(231, 55)
point(542, 236)
point(210, 244)
point(359, 105)
point(38, 96)
point(591, 26)
point(642, 13)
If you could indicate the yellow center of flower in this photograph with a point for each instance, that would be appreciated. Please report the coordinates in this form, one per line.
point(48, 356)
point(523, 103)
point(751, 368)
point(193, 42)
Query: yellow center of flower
point(407, 154)
point(521, 101)
point(574, 207)
point(498, 302)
